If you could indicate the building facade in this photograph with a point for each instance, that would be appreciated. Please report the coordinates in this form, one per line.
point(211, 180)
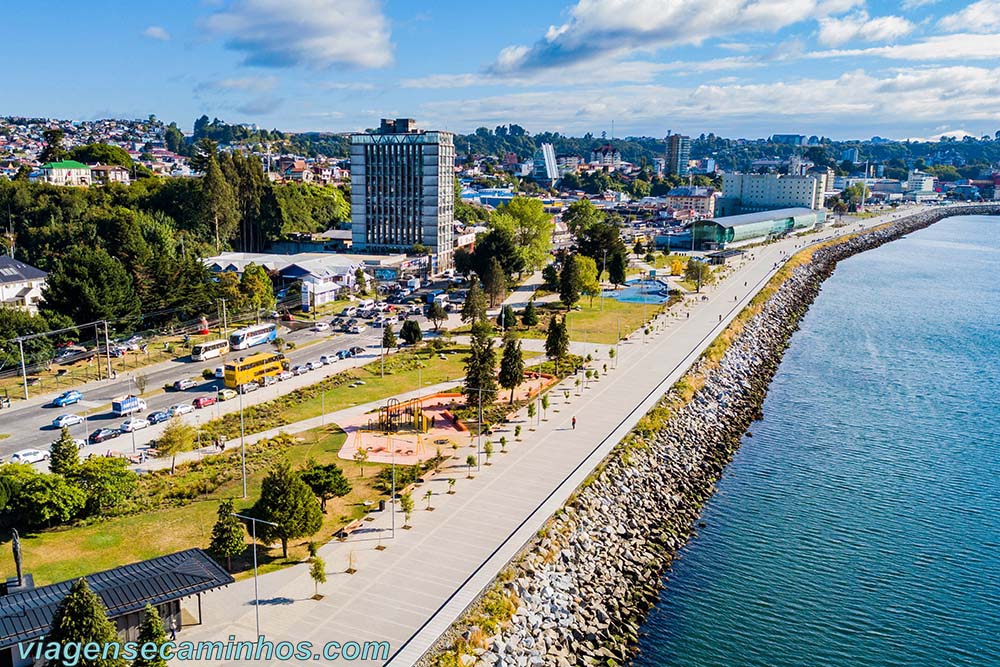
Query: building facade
point(546, 171)
point(21, 285)
point(699, 199)
point(66, 172)
point(748, 193)
point(403, 191)
point(678, 154)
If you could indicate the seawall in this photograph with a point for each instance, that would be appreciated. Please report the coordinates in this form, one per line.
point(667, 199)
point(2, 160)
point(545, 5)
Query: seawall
point(581, 589)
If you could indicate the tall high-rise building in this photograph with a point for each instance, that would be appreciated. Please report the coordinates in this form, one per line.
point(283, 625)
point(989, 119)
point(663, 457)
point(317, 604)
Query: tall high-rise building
point(545, 170)
point(403, 190)
point(678, 154)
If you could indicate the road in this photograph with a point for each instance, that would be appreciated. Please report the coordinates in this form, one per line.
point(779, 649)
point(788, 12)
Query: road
point(29, 424)
point(414, 590)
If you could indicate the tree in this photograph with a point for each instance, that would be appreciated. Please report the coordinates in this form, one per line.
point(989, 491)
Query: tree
point(40, 500)
point(108, 483)
point(228, 535)
point(470, 461)
point(99, 153)
point(81, 619)
point(53, 151)
point(257, 288)
point(151, 633)
point(581, 214)
point(488, 450)
point(218, 204)
point(638, 248)
point(177, 437)
point(587, 270)
point(451, 485)
point(570, 282)
point(287, 501)
point(411, 333)
point(557, 341)
point(532, 410)
point(437, 314)
point(617, 268)
point(511, 365)
point(529, 317)
point(697, 272)
point(474, 308)
point(594, 240)
point(531, 228)
point(64, 456)
point(317, 570)
point(326, 481)
point(494, 281)
point(550, 278)
point(499, 244)
point(507, 318)
point(480, 367)
point(545, 405)
point(406, 505)
point(360, 457)
point(88, 284)
point(388, 338)
point(173, 138)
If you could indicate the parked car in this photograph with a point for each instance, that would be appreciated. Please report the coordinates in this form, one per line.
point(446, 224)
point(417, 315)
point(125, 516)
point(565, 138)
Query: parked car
point(285, 375)
point(80, 443)
point(268, 380)
point(328, 359)
point(28, 456)
point(103, 434)
point(357, 349)
point(315, 364)
point(160, 416)
point(184, 385)
point(358, 328)
point(226, 394)
point(321, 326)
point(299, 370)
point(350, 311)
point(180, 409)
point(205, 401)
point(220, 372)
point(248, 387)
point(133, 424)
point(67, 398)
point(67, 420)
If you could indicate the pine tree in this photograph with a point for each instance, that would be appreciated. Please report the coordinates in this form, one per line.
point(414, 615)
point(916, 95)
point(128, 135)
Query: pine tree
point(530, 315)
point(218, 204)
point(570, 282)
point(507, 319)
point(327, 481)
point(617, 268)
point(494, 281)
point(317, 570)
point(480, 367)
point(64, 458)
point(151, 633)
point(511, 365)
point(410, 332)
point(80, 619)
point(228, 536)
point(474, 308)
point(557, 341)
point(388, 338)
point(288, 502)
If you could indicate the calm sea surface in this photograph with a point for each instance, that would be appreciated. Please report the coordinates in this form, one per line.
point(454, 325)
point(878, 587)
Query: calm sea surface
point(860, 525)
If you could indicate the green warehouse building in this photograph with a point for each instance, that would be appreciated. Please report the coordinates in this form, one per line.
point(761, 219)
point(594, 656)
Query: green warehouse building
point(736, 230)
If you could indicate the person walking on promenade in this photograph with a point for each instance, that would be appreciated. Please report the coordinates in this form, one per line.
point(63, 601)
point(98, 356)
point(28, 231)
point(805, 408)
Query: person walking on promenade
point(574, 423)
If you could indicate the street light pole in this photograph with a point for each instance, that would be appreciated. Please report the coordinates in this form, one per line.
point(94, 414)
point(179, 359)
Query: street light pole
point(24, 373)
point(604, 267)
point(243, 448)
point(479, 440)
point(256, 591)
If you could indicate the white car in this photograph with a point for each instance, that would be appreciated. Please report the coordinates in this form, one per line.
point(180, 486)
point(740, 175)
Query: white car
point(67, 420)
point(134, 424)
point(220, 373)
point(315, 364)
point(328, 359)
point(285, 375)
point(321, 326)
point(180, 409)
point(28, 456)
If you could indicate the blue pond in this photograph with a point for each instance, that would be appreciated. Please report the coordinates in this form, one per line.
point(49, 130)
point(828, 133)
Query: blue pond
point(640, 291)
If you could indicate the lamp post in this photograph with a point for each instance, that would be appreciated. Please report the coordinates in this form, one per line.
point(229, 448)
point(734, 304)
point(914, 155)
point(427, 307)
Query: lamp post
point(243, 451)
point(256, 591)
point(479, 430)
point(604, 267)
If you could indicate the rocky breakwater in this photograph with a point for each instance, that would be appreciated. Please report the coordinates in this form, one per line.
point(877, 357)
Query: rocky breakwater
point(581, 589)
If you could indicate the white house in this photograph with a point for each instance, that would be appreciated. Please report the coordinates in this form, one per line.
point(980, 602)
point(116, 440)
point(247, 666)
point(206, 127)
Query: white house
point(66, 172)
point(21, 285)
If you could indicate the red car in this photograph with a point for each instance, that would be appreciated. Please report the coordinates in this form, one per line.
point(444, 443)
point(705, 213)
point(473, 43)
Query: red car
point(203, 401)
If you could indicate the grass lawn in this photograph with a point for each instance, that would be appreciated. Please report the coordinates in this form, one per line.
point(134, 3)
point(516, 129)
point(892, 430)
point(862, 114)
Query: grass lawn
point(65, 553)
point(592, 325)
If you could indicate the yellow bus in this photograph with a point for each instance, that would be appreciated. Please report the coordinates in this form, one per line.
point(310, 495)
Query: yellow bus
point(253, 368)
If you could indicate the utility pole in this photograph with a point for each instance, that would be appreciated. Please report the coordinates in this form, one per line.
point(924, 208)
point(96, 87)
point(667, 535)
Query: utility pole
point(24, 373)
point(225, 320)
point(107, 348)
point(604, 267)
point(243, 447)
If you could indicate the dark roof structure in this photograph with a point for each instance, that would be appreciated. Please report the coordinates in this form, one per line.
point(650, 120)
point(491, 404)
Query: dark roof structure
point(13, 271)
point(26, 615)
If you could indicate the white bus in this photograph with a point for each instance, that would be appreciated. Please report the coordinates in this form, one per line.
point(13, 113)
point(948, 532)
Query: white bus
point(257, 334)
point(209, 349)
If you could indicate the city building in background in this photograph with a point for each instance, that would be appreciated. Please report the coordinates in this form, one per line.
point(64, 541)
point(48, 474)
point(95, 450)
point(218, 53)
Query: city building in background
point(403, 191)
point(678, 154)
point(21, 285)
point(748, 193)
point(737, 230)
point(546, 171)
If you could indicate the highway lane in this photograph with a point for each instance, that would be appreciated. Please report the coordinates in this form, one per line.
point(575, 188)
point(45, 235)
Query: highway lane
point(32, 426)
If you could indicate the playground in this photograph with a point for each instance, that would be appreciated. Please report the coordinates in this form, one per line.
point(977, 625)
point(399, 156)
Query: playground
point(414, 430)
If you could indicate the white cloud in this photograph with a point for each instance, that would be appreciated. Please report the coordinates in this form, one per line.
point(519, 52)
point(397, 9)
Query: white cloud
point(599, 28)
point(895, 102)
point(347, 85)
point(981, 16)
point(859, 26)
point(907, 5)
point(316, 33)
point(156, 32)
point(938, 48)
point(957, 135)
point(253, 84)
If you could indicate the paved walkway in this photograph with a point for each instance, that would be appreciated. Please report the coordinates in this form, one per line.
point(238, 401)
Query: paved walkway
point(412, 591)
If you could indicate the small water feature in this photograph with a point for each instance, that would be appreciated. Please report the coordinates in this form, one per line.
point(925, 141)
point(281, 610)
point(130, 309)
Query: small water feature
point(640, 291)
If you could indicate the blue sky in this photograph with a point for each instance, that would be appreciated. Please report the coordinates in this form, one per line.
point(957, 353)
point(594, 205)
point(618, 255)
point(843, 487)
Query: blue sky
point(840, 68)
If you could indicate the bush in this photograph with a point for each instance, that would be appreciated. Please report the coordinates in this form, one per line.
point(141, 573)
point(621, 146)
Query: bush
point(208, 374)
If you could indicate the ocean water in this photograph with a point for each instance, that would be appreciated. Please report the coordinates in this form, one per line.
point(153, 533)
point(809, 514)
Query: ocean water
point(860, 524)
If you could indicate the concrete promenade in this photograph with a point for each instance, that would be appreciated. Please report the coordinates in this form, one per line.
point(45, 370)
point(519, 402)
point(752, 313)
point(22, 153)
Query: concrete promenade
point(412, 591)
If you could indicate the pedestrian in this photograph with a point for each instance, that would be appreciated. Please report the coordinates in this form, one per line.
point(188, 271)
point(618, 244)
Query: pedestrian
point(173, 629)
point(720, 318)
point(574, 423)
